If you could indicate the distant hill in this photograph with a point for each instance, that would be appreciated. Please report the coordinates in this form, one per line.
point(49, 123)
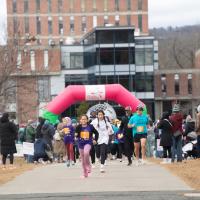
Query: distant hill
point(177, 46)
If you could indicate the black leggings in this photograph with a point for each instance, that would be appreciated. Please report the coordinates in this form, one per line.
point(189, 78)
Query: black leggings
point(165, 150)
point(101, 152)
point(92, 154)
point(4, 157)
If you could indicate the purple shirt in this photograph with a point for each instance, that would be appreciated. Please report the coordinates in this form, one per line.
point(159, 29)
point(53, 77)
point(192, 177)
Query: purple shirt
point(69, 134)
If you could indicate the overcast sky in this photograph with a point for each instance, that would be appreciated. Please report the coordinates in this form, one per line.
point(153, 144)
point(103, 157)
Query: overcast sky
point(162, 13)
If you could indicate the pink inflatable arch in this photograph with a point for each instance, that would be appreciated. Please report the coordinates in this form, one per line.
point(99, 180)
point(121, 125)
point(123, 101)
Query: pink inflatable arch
point(75, 93)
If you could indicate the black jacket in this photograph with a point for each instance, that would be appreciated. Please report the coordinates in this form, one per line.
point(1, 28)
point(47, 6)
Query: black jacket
point(124, 126)
point(166, 135)
point(8, 135)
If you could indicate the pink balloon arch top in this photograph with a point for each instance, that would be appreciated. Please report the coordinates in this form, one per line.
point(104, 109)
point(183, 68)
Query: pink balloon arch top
point(75, 93)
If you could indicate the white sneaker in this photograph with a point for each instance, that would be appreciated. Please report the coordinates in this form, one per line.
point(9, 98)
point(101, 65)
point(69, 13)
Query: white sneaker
point(164, 161)
point(137, 163)
point(93, 166)
point(169, 160)
point(105, 163)
point(113, 158)
point(102, 169)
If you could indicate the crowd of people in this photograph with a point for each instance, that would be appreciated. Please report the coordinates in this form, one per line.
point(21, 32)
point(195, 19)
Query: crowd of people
point(96, 138)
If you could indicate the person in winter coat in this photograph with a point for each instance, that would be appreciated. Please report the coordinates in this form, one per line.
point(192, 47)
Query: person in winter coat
point(128, 137)
point(59, 145)
point(8, 135)
point(177, 120)
point(189, 127)
point(166, 137)
point(197, 128)
point(39, 127)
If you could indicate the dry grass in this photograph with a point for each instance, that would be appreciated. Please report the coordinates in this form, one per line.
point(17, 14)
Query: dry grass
point(9, 174)
point(188, 171)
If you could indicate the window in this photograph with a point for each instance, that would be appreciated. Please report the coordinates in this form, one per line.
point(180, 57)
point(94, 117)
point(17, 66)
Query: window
point(10, 91)
point(139, 57)
point(37, 6)
point(128, 20)
point(105, 5)
point(121, 36)
point(128, 5)
point(140, 82)
point(148, 57)
point(60, 5)
point(38, 25)
point(32, 55)
point(124, 81)
point(46, 59)
point(43, 89)
point(83, 25)
point(26, 24)
point(83, 5)
point(72, 24)
point(60, 26)
point(144, 57)
point(94, 5)
point(14, 3)
point(189, 83)
point(140, 2)
point(15, 27)
point(105, 20)
point(76, 60)
point(25, 6)
point(50, 30)
point(117, 5)
point(19, 59)
point(121, 56)
point(140, 22)
point(117, 20)
point(106, 56)
point(163, 83)
point(176, 84)
point(149, 81)
point(71, 5)
point(94, 21)
point(49, 6)
point(105, 37)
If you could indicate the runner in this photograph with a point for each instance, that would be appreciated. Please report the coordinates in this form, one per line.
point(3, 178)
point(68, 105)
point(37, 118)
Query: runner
point(84, 134)
point(104, 129)
point(138, 123)
point(68, 131)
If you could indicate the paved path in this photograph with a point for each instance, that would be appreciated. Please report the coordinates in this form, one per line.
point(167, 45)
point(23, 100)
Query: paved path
point(57, 178)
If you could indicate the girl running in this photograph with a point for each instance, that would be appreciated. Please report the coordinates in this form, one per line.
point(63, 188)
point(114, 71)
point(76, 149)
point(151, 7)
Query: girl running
point(84, 134)
point(68, 131)
point(104, 129)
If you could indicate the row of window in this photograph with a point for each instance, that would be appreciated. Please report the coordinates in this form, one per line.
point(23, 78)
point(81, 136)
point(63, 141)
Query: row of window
point(176, 84)
point(140, 82)
point(71, 23)
point(32, 59)
point(72, 6)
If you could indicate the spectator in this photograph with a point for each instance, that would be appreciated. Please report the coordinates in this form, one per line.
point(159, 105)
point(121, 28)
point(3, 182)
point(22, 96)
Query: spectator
point(198, 130)
point(177, 119)
point(166, 137)
point(8, 135)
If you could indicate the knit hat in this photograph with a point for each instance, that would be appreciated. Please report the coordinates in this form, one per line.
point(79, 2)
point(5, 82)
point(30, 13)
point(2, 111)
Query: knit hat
point(176, 108)
point(68, 121)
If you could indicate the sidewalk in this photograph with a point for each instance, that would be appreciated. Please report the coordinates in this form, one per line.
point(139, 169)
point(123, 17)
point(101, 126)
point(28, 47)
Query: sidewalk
point(57, 178)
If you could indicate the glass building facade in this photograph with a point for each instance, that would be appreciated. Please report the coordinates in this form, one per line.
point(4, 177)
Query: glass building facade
point(113, 55)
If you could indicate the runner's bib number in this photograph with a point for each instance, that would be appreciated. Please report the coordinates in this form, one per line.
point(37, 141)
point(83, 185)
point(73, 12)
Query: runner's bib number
point(84, 135)
point(140, 129)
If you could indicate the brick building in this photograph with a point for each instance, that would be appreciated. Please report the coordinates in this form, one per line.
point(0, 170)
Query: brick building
point(178, 86)
point(45, 26)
